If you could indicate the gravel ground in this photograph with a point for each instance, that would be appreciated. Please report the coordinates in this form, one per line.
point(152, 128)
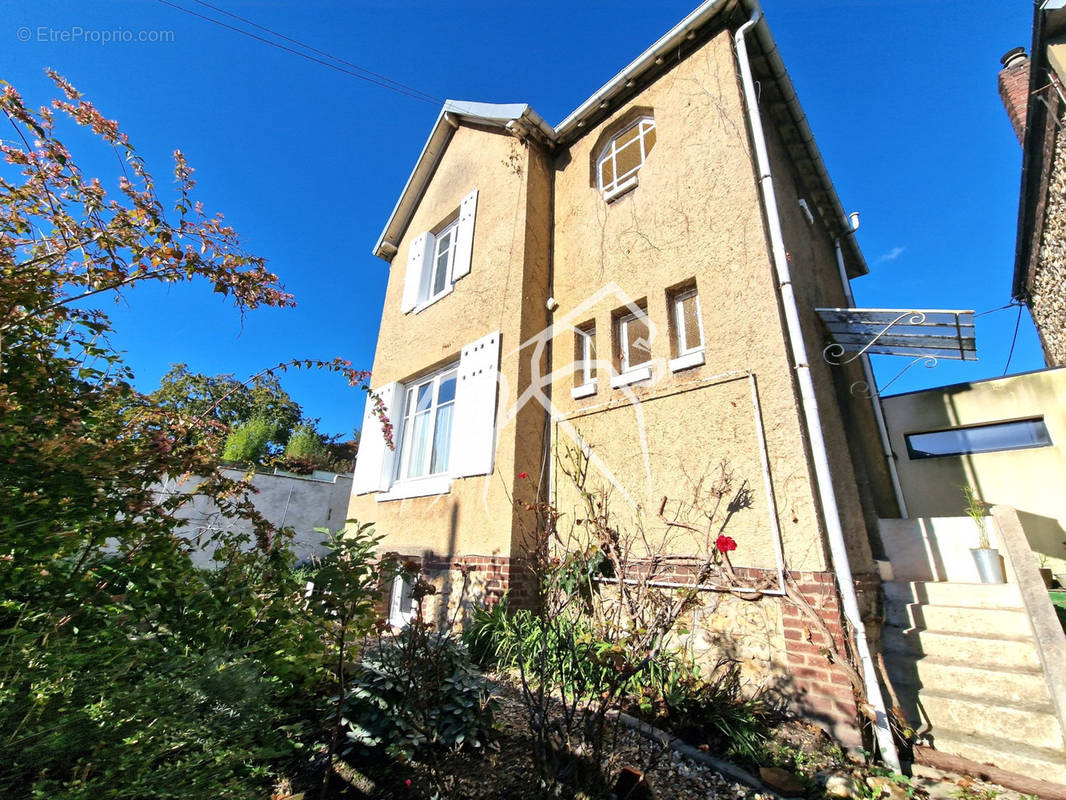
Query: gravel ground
point(507, 770)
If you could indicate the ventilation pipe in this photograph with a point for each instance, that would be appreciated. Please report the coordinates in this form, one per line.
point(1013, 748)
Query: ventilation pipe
point(809, 404)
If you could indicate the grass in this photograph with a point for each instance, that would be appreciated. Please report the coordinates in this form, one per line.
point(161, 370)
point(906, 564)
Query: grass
point(1058, 599)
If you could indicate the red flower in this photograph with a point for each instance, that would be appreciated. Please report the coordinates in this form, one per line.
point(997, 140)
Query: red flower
point(523, 475)
point(407, 783)
point(725, 544)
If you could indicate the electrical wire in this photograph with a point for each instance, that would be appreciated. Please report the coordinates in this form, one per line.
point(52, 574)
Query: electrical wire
point(1011, 304)
point(390, 81)
point(361, 74)
point(1014, 339)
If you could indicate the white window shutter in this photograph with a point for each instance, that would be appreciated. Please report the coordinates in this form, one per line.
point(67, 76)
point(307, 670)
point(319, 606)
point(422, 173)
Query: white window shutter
point(373, 462)
point(464, 239)
point(418, 256)
point(474, 432)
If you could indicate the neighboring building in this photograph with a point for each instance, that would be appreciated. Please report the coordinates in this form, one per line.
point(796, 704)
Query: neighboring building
point(305, 503)
point(621, 282)
point(1005, 437)
point(1032, 91)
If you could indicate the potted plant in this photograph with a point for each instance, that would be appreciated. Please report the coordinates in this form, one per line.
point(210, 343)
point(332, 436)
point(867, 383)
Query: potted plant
point(989, 564)
point(1045, 570)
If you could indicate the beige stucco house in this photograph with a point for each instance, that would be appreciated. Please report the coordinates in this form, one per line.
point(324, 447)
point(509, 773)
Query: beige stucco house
point(638, 281)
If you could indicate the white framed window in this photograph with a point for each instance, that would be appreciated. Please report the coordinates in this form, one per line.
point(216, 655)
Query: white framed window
point(443, 428)
point(584, 361)
point(623, 156)
point(437, 280)
point(687, 329)
point(436, 261)
point(633, 338)
point(425, 428)
point(401, 602)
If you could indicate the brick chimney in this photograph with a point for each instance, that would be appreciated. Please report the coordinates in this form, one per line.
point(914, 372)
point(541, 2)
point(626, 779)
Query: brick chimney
point(1014, 88)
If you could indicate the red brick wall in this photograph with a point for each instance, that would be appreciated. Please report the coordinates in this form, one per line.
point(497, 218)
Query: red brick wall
point(1014, 92)
point(502, 576)
point(821, 689)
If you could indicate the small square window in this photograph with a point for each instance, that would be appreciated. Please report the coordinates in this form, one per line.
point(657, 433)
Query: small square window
point(623, 156)
point(634, 340)
point(688, 325)
point(585, 354)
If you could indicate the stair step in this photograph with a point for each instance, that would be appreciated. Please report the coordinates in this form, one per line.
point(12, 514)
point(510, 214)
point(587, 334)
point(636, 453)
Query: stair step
point(944, 593)
point(993, 684)
point(968, 716)
point(959, 619)
point(979, 650)
point(1044, 763)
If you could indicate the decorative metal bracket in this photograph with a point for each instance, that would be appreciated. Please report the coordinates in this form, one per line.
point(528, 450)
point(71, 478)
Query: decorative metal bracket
point(834, 352)
point(862, 388)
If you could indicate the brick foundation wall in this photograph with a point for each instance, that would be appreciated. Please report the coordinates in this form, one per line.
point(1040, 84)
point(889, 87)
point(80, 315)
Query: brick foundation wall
point(821, 689)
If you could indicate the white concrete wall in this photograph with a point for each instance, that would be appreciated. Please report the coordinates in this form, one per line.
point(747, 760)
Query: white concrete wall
point(302, 503)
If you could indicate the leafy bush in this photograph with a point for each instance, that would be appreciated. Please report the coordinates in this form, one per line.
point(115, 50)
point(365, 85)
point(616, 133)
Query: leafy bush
point(717, 711)
point(418, 691)
point(667, 688)
point(250, 441)
point(305, 442)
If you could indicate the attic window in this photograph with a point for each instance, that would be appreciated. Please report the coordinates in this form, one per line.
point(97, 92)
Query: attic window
point(623, 156)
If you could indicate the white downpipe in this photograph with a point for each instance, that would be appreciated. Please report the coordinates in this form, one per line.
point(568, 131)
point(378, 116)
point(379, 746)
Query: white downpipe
point(868, 376)
point(827, 497)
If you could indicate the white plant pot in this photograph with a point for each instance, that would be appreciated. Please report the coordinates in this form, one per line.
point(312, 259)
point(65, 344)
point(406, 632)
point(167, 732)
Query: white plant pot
point(989, 565)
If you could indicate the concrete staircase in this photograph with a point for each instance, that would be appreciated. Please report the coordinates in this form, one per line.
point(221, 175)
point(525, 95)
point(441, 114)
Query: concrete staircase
point(964, 662)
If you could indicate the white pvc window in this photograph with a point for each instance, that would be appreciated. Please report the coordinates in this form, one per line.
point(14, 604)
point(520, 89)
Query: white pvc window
point(624, 155)
point(585, 354)
point(426, 426)
point(688, 323)
point(634, 338)
point(437, 279)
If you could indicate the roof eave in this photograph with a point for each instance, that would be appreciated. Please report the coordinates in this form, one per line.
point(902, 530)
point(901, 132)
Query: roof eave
point(452, 115)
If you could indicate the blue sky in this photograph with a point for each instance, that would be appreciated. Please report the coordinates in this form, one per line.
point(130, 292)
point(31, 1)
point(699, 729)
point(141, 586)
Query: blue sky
point(307, 162)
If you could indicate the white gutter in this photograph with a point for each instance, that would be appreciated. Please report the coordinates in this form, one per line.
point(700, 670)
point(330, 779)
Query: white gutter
point(809, 404)
point(868, 376)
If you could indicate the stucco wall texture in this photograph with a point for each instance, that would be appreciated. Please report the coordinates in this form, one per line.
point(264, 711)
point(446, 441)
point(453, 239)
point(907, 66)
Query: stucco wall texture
point(1030, 480)
point(504, 291)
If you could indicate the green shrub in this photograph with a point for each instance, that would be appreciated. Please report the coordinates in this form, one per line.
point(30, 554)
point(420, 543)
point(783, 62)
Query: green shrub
point(305, 442)
point(250, 442)
point(416, 692)
point(668, 688)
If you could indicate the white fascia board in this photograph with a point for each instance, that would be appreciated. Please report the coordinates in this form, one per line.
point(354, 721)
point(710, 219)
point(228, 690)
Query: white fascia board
point(495, 114)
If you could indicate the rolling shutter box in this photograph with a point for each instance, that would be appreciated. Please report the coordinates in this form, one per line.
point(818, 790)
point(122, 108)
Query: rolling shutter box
point(373, 463)
point(474, 431)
